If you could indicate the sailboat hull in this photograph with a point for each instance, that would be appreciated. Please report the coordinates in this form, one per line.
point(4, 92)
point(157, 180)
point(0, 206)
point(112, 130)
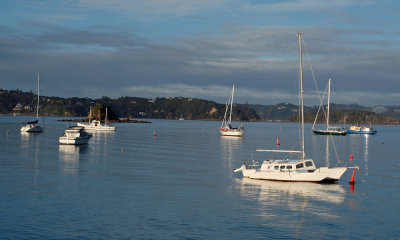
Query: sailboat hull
point(32, 127)
point(323, 174)
point(238, 132)
point(96, 126)
point(330, 132)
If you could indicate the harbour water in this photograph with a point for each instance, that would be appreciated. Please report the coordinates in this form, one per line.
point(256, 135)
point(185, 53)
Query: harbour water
point(180, 184)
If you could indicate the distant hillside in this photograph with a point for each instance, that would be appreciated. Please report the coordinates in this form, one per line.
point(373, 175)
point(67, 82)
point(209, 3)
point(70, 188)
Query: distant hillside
point(278, 112)
point(24, 103)
point(349, 117)
point(353, 113)
point(18, 102)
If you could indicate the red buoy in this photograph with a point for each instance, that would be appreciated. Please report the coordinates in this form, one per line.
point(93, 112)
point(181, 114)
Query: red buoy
point(352, 178)
point(351, 156)
point(277, 141)
point(155, 134)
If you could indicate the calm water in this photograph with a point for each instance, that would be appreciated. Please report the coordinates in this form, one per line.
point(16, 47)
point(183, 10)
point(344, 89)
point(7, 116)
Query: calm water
point(180, 184)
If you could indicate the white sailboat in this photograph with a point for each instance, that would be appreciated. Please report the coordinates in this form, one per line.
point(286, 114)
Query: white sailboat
point(329, 129)
point(299, 170)
point(34, 126)
point(226, 128)
point(96, 125)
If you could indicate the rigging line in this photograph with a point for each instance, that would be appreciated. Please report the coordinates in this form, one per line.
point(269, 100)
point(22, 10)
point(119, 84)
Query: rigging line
point(319, 108)
point(312, 72)
point(334, 147)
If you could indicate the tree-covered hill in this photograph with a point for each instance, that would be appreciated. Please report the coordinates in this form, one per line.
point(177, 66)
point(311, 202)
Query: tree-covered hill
point(349, 116)
point(18, 102)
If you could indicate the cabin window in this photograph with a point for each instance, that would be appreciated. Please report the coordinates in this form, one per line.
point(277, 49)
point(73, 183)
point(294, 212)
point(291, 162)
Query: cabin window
point(300, 165)
point(289, 167)
point(276, 167)
point(309, 164)
point(282, 167)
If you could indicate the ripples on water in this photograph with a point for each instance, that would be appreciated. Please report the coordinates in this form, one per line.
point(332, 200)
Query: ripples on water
point(180, 184)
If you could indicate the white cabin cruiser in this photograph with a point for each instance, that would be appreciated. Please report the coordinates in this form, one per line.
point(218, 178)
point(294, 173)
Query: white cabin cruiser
point(75, 136)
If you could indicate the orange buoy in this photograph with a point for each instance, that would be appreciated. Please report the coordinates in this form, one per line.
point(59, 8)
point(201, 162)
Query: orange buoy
point(352, 178)
point(122, 148)
point(277, 141)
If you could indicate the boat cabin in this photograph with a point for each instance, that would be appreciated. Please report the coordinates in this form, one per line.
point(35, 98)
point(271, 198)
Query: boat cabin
point(74, 132)
point(287, 165)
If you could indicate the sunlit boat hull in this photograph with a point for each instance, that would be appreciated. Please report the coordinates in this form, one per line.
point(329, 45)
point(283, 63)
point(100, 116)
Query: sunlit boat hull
point(323, 174)
point(75, 141)
point(330, 132)
point(75, 136)
point(32, 128)
point(361, 130)
point(96, 126)
point(238, 132)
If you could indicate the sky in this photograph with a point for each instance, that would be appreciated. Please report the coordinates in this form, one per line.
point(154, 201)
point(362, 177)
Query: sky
point(199, 49)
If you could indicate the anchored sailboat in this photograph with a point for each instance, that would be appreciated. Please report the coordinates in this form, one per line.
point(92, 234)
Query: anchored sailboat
point(298, 170)
point(96, 125)
point(226, 128)
point(34, 126)
point(329, 129)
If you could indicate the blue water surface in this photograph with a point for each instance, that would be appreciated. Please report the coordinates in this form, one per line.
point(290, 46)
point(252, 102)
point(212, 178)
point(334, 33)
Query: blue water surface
point(180, 184)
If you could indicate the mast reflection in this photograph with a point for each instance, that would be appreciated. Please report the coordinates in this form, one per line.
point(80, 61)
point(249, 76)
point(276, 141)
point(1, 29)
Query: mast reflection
point(366, 144)
point(229, 147)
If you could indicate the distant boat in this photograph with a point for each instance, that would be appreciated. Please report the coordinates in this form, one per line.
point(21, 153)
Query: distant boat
point(226, 128)
point(96, 125)
point(75, 136)
point(358, 129)
point(33, 126)
point(297, 170)
point(329, 129)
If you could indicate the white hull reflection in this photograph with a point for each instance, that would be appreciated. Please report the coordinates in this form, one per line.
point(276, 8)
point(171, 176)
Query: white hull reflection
point(69, 157)
point(271, 191)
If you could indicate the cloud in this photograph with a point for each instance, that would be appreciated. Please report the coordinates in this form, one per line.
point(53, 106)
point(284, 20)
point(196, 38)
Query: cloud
point(151, 10)
point(303, 5)
point(251, 95)
point(108, 57)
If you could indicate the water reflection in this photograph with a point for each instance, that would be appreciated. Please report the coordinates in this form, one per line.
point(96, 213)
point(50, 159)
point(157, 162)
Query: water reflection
point(229, 147)
point(69, 157)
point(29, 140)
point(102, 137)
point(366, 136)
point(100, 141)
point(360, 145)
point(327, 151)
point(297, 196)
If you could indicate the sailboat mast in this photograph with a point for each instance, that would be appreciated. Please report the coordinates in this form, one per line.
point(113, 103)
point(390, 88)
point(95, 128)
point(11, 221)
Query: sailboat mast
point(303, 154)
point(37, 109)
point(90, 113)
point(329, 98)
point(106, 119)
point(230, 114)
